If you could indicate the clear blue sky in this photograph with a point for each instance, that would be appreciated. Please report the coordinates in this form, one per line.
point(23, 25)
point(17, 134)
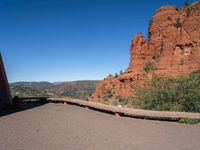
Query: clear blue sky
point(63, 40)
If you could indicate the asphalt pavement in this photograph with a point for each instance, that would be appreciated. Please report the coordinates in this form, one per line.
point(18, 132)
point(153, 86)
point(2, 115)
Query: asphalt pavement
point(69, 127)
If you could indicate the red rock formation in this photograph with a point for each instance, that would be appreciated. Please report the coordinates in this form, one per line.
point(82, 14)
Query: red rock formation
point(138, 53)
point(172, 49)
point(5, 95)
point(174, 36)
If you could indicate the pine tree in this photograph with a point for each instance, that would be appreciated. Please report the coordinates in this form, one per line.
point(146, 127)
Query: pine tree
point(186, 3)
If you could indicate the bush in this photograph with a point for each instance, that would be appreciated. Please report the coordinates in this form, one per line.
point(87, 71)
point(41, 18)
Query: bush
point(186, 3)
point(116, 75)
point(182, 62)
point(108, 95)
point(106, 103)
point(188, 12)
point(188, 121)
point(181, 94)
point(156, 57)
point(118, 100)
point(149, 67)
point(178, 23)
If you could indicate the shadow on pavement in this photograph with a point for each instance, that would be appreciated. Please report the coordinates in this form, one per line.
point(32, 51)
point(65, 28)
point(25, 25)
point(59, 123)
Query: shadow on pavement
point(21, 107)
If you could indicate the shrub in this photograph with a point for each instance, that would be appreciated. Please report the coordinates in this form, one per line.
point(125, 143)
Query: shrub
point(182, 62)
point(116, 75)
point(108, 95)
point(120, 72)
point(178, 23)
point(149, 67)
point(188, 12)
point(186, 3)
point(105, 98)
point(156, 57)
point(106, 103)
point(188, 121)
point(118, 100)
point(113, 86)
point(181, 94)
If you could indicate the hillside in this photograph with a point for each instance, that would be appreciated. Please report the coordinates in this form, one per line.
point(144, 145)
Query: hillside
point(74, 89)
point(171, 50)
point(35, 85)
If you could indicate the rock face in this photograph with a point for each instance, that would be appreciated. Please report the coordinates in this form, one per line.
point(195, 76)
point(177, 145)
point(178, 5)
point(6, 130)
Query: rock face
point(172, 49)
point(138, 53)
point(5, 96)
point(174, 37)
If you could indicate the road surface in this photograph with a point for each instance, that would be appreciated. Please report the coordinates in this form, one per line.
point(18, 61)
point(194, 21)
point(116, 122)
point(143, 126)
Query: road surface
point(68, 127)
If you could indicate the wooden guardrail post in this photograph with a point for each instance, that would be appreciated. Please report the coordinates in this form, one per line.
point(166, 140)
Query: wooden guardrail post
point(117, 114)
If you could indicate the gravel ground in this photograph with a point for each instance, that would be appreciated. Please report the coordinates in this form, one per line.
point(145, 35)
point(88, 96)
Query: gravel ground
point(68, 127)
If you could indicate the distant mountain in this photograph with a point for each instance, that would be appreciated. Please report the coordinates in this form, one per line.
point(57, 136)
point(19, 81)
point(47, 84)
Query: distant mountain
point(59, 82)
point(73, 89)
point(36, 85)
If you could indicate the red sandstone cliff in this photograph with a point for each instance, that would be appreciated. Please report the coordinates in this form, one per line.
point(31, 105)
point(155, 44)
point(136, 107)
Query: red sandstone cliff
point(172, 49)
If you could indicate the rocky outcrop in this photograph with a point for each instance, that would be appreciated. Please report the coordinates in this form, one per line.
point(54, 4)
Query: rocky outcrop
point(5, 95)
point(138, 53)
point(172, 49)
point(174, 37)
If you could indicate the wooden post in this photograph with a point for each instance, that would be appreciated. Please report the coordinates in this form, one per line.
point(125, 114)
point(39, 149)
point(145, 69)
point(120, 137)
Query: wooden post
point(117, 114)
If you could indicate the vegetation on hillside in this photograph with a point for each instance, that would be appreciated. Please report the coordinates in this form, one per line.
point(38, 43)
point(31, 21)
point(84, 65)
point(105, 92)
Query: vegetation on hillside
point(178, 94)
point(148, 67)
point(172, 94)
point(74, 89)
point(22, 91)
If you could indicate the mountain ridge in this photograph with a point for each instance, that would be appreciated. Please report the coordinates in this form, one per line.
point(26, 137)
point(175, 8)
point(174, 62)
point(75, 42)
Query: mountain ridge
point(72, 89)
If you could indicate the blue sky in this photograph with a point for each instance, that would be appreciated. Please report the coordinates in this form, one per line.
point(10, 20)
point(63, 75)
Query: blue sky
point(65, 40)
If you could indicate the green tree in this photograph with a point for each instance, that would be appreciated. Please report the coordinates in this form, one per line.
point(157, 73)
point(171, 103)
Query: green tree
point(149, 67)
point(186, 3)
point(116, 75)
point(178, 23)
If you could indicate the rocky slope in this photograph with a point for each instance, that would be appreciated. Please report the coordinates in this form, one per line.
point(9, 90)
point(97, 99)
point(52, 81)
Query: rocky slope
point(172, 49)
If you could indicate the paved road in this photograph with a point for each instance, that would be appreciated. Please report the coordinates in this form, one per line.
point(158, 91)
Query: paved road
point(67, 127)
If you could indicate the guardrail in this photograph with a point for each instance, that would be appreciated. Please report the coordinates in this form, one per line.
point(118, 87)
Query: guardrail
point(136, 113)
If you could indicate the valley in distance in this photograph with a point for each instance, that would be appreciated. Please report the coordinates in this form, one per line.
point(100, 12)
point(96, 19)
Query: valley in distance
point(72, 89)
